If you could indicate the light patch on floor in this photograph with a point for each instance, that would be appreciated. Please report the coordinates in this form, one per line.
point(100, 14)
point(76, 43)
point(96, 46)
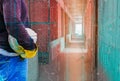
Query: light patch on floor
point(75, 50)
point(75, 67)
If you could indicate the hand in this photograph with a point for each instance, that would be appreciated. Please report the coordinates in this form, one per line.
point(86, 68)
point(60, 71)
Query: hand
point(29, 53)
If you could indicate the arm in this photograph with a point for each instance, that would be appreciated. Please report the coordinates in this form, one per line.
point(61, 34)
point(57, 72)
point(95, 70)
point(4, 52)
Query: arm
point(14, 25)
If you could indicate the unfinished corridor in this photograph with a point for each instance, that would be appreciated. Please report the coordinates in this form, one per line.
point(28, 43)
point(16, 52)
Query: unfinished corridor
point(66, 39)
point(78, 40)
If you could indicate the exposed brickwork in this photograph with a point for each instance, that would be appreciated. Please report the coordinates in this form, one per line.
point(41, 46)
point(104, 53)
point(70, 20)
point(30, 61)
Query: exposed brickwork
point(39, 11)
point(42, 41)
point(54, 19)
point(39, 17)
point(89, 29)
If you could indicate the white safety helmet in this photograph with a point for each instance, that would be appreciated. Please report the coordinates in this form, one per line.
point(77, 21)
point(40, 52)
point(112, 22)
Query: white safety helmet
point(14, 44)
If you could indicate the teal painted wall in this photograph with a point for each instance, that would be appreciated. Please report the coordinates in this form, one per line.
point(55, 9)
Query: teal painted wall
point(109, 38)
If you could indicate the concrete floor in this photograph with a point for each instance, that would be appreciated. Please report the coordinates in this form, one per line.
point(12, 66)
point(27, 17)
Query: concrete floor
point(68, 66)
point(74, 69)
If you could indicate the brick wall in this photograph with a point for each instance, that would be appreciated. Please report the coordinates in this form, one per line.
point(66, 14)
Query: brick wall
point(90, 36)
point(54, 19)
point(39, 20)
point(43, 21)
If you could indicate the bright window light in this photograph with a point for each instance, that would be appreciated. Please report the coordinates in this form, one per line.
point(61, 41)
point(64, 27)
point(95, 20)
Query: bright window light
point(78, 29)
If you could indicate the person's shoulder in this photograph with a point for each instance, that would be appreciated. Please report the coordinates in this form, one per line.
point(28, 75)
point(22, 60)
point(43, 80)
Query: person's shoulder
point(11, 1)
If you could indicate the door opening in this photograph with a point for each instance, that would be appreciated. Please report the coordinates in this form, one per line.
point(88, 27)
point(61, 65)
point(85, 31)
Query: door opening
point(78, 29)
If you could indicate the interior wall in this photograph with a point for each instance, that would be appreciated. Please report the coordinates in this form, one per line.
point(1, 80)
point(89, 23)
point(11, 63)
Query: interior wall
point(44, 20)
point(63, 23)
point(90, 26)
point(54, 19)
point(59, 21)
point(108, 40)
point(40, 22)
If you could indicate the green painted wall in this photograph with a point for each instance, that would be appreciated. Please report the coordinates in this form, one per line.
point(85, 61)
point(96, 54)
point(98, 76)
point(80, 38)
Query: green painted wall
point(109, 38)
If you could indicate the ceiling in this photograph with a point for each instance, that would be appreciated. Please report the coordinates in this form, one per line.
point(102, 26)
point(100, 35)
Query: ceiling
point(76, 8)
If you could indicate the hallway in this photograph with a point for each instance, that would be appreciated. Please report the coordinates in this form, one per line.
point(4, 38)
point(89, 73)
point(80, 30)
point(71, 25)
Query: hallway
point(73, 63)
point(78, 40)
point(66, 38)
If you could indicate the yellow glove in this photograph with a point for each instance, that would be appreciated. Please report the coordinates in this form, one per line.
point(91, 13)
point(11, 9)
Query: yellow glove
point(26, 53)
point(29, 53)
